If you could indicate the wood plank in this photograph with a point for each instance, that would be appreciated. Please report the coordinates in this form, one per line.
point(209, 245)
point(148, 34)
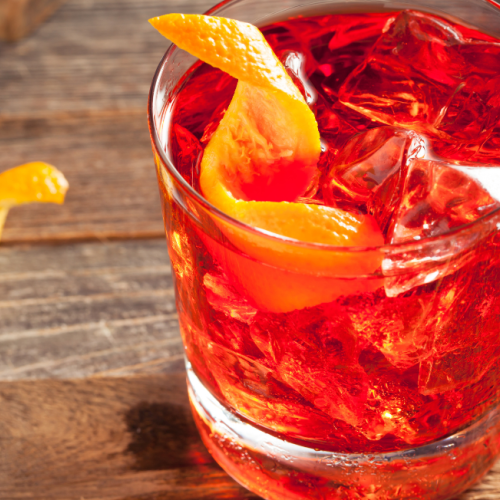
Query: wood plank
point(92, 55)
point(86, 309)
point(104, 438)
point(115, 438)
point(108, 162)
point(18, 18)
point(74, 94)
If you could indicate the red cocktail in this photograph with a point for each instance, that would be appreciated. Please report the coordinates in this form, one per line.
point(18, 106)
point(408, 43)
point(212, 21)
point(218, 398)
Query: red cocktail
point(376, 378)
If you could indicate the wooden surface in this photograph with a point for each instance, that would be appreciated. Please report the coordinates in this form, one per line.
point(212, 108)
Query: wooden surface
point(92, 393)
point(102, 438)
point(18, 18)
point(74, 94)
point(104, 311)
point(87, 309)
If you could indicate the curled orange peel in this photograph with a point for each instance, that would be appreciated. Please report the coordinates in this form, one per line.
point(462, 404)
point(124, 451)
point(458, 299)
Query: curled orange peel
point(261, 158)
point(35, 182)
point(267, 144)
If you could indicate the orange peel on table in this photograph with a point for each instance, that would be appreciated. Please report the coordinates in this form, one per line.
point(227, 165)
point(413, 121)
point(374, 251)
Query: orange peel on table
point(259, 161)
point(35, 182)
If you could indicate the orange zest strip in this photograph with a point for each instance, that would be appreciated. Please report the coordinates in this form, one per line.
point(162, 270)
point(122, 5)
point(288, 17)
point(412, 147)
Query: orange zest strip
point(236, 48)
point(267, 145)
point(35, 182)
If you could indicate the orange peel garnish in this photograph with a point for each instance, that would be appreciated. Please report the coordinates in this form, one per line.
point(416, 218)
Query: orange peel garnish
point(261, 158)
point(35, 182)
point(267, 145)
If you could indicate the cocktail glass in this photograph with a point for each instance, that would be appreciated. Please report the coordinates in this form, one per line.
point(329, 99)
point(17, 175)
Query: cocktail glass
point(386, 391)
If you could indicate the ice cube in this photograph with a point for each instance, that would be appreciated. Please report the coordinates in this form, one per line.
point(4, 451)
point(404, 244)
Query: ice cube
point(393, 400)
point(187, 151)
point(188, 270)
point(249, 386)
point(457, 369)
point(423, 74)
point(486, 150)
point(438, 197)
point(489, 151)
point(213, 123)
point(300, 36)
point(337, 389)
point(315, 352)
point(294, 63)
point(398, 327)
point(367, 174)
point(224, 297)
point(337, 125)
point(349, 45)
point(228, 319)
point(201, 97)
point(324, 327)
point(473, 401)
point(465, 324)
point(257, 396)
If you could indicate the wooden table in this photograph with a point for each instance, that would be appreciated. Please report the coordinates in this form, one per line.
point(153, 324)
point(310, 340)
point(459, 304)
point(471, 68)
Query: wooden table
point(92, 394)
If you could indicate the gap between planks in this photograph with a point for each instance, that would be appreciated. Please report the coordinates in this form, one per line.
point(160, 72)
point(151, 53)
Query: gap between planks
point(83, 309)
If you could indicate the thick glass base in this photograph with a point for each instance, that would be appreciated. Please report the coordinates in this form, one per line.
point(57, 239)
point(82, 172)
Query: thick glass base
point(277, 470)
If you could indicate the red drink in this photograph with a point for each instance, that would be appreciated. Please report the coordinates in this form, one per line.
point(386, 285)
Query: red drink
point(391, 360)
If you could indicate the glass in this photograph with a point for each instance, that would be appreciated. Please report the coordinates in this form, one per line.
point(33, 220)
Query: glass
point(263, 384)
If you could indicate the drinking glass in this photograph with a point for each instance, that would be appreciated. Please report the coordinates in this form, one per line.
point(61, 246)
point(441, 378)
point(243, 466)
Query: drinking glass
point(385, 391)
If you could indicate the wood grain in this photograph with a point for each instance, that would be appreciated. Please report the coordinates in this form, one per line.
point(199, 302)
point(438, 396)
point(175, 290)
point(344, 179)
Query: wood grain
point(77, 310)
point(91, 56)
point(104, 438)
point(74, 94)
point(18, 18)
point(108, 163)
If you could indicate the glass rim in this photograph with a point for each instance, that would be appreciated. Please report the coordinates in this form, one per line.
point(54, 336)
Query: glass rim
point(262, 233)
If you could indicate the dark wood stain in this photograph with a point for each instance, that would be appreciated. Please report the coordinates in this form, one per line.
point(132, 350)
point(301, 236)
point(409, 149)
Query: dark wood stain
point(164, 436)
point(73, 439)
